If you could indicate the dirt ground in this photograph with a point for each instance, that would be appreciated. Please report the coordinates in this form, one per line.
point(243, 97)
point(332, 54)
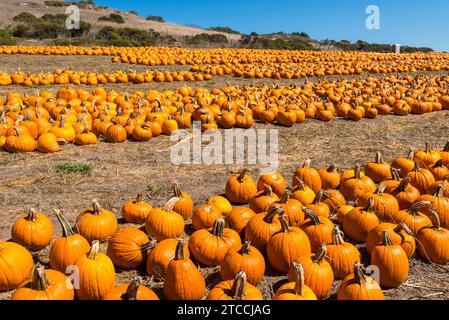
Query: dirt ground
point(121, 171)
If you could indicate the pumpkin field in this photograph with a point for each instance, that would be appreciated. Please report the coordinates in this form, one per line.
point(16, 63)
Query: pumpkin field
point(88, 185)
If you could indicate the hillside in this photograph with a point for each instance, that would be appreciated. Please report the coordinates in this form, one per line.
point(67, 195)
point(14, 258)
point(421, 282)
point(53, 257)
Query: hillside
point(91, 13)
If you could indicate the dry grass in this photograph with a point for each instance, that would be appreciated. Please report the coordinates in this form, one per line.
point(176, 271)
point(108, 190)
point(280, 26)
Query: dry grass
point(121, 171)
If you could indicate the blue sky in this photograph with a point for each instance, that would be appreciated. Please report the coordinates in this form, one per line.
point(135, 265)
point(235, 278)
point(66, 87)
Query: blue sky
point(409, 22)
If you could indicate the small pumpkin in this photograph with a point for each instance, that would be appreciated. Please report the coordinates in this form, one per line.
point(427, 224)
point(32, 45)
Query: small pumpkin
point(310, 176)
point(341, 255)
point(378, 170)
point(205, 216)
point(96, 274)
point(240, 188)
point(246, 258)
point(45, 285)
point(287, 245)
point(296, 290)
point(184, 205)
point(263, 200)
point(209, 247)
point(354, 188)
point(360, 221)
point(405, 193)
point(96, 223)
point(330, 177)
point(182, 279)
point(433, 241)
point(160, 256)
point(318, 272)
point(440, 204)
point(302, 192)
point(16, 265)
point(136, 210)
point(318, 229)
point(262, 226)
point(391, 260)
point(131, 291)
point(129, 247)
point(275, 180)
point(414, 217)
point(237, 289)
point(68, 248)
point(358, 286)
point(239, 217)
point(421, 178)
point(164, 223)
point(34, 231)
point(222, 203)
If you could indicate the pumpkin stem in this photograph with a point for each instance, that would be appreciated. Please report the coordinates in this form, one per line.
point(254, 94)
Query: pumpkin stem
point(435, 219)
point(94, 250)
point(217, 229)
point(246, 248)
point(149, 245)
point(284, 223)
point(131, 291)
point(357, 172)
point(386, 238)
point(31, 215)
point(402, 187)
point(66, 229)
point(242, 174)
point(300, 184)
point(40, 280)
point(321, 254)
point(97, 207)
point(171, 204)
point(267, 189)
point(378, 158)
point(428, 148)
point(380, 189)
point(403, 226)
point(359, 275)
point(395, 174)
point(414, 209)
point(439, 191)
point(331, 169)
point(179, 255)
point(271, 213)
point(337, 236)
point(446, 147)
point(307, 163)
point(238, 287)
point(319, 196)
point(286, 196)
point(139, 198)
point(299, 279)
point(369, 205)
point(438, 164)
point(312, 215)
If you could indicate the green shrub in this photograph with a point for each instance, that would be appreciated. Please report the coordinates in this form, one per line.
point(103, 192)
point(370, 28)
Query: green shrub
point(24, 17)
point(205, 38)
point(155, 18)
point(113, 17)
point(67, 168)
point(224, 29)
point(56, 3)
point(131, 37)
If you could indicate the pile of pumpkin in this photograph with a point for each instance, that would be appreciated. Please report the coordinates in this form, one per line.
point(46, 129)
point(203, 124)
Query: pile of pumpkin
point(306, 232)
point(43, 122)
point(275, 64)
point(63, 77)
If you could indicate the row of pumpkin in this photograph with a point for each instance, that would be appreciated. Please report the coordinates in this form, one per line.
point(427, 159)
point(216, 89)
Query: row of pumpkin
point(394, 210)
point(43, 122)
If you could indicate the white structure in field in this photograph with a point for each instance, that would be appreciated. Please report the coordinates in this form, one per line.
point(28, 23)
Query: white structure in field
point(397, 48)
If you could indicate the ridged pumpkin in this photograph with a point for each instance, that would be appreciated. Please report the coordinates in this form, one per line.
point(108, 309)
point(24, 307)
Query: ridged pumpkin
point(237, 289)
